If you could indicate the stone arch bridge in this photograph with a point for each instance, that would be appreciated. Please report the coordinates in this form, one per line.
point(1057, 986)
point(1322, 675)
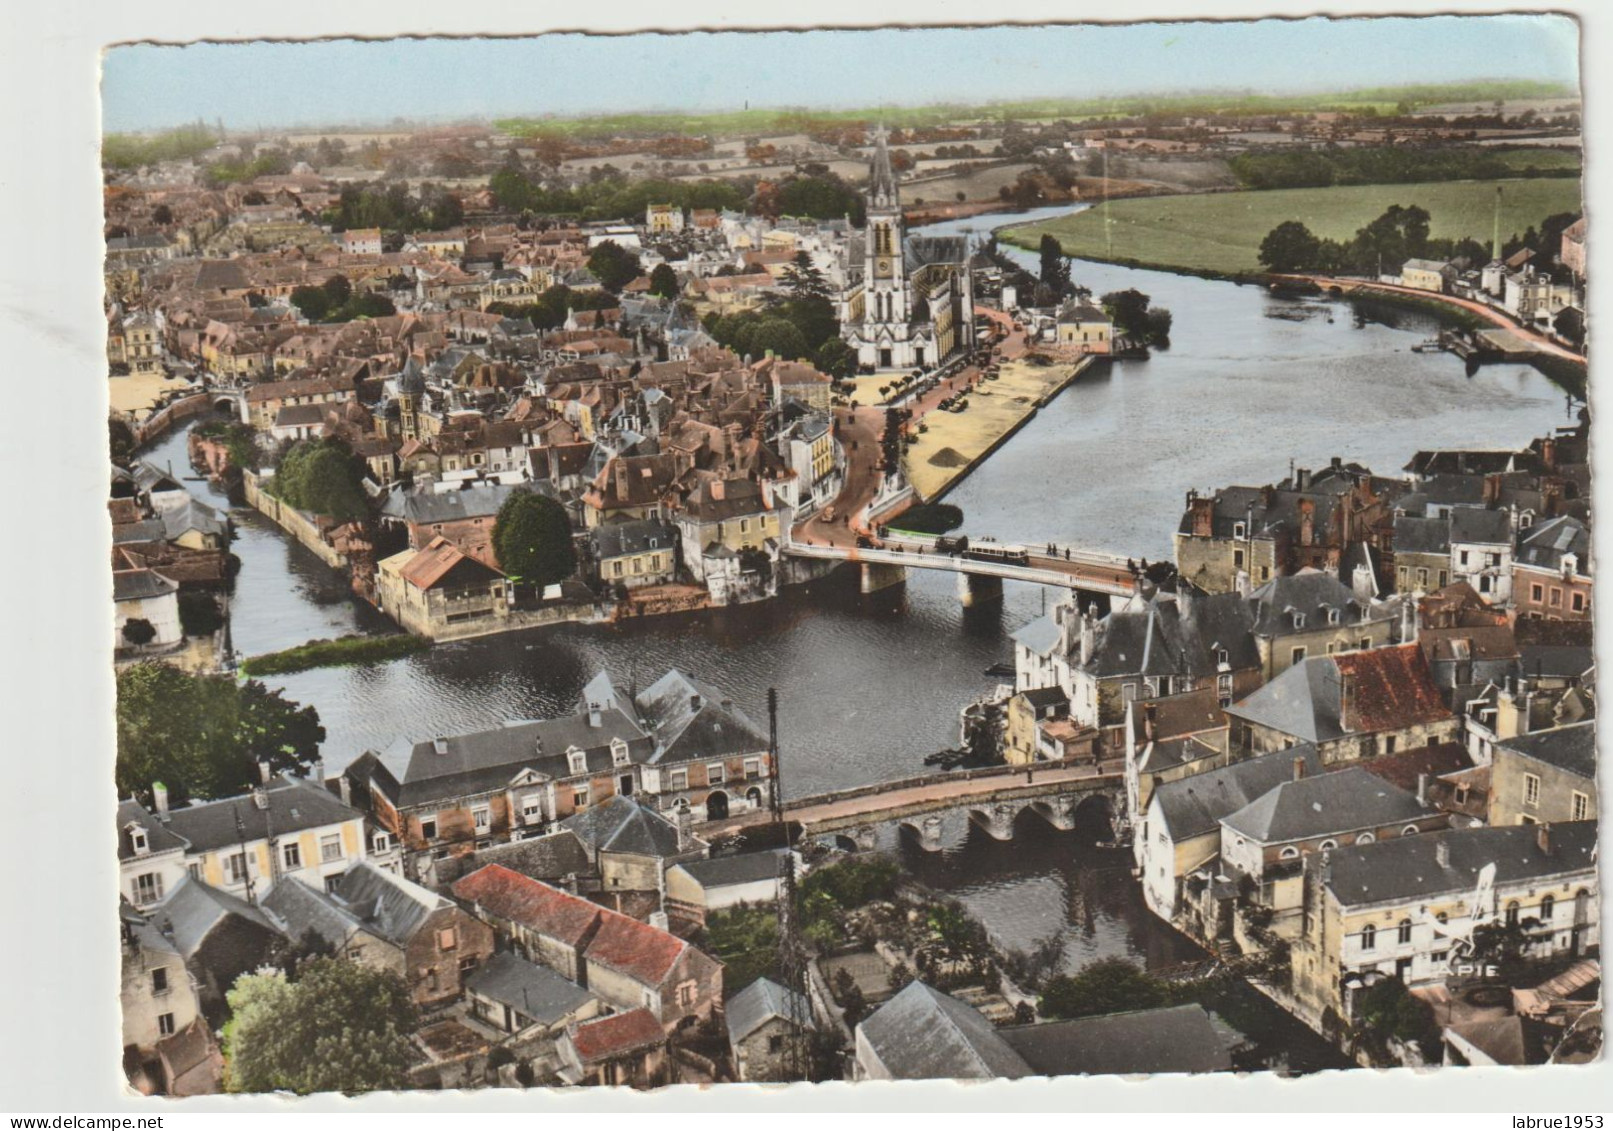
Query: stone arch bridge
point(993, 798)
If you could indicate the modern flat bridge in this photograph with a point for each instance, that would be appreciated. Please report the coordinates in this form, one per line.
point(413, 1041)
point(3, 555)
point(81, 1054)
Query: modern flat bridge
point(980, 577)
point(993, 798)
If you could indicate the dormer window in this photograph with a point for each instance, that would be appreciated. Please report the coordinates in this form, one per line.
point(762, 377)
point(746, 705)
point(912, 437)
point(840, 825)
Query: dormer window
point(577, 760)
point(618, 752)
point(1221, 657)
point(1299, 620)
point(1332, 616)
point(1239, 530)
point(138, 840)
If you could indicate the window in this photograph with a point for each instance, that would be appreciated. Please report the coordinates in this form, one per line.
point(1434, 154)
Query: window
point(618, 752)
point(1332, 616)
point(1580, 806)
point(1289, 853)
point(165, 1024)
point(1512, 913)
point(159, 981)
point(1422, 579)
point(1237, 559)
point(428, 828)
point(447, 938)
point(235, 868)
point(1389, 743)
point(333, 881)
point(579, 798)
point(1409, 830)
point(1238, 530)
point(137, 840)
point(195, 870)
point(577, 760)
point(1328, 845)
point(775, 1043)
point(1531, 789)
point(1403, 935)
point(147, 888)
point(532, 808)
point(686, 993)
point(1221, 657)
point(1365, 838)
point(1537, 593)
point(380, 842)
point(1556, 597)
point(330, 847)
point(1299, 620)
point(616, 568)
point(1576, 601)
point(714, 773)
point(1462, 558)
point(1297, 656)
point(482, 818)
point(1548, 905)
point(1365, 643)
point(678, 779)
point(1369, 937)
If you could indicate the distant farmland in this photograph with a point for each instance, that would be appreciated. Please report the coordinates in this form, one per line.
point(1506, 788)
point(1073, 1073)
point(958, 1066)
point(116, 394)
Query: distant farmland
point(1221, 232)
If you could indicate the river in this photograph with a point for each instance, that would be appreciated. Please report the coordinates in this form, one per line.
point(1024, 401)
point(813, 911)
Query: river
point(869, 686)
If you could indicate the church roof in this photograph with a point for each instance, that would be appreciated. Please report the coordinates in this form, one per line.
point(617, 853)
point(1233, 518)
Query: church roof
point(881, 179)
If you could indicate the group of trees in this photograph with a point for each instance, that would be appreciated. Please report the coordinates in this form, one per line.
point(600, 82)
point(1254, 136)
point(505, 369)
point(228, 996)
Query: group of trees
point(393, 208)
point(798, 329)
point(1135, 318)
point(1373, 165)
point(131, 151)
point(817, 194)
point(552, 306)
point(1398, 234)
point(203, 736)
point(324, 477)
point(614, 266)
point(611, 197)
point(532, 538)
point(328, 1025)
point(336, 301)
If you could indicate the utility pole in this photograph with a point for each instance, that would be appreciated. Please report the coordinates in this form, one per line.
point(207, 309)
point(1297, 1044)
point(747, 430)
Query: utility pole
point(246, 864)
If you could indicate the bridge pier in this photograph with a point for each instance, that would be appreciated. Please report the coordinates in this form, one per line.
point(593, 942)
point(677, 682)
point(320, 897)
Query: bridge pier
point(866, 836)
point(1058, 811)
point(928, 830)
point(997, 820)
point(877, 576)
point(975, 590)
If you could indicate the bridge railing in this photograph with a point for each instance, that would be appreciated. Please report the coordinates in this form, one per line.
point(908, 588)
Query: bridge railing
point(941, 777)
point(957, 564)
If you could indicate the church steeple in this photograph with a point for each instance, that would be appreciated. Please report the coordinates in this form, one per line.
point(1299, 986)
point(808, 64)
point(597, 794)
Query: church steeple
point(881, 180)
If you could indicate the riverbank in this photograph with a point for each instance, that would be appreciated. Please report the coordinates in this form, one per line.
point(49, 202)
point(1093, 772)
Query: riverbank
point(334, 653)
point(952, 444)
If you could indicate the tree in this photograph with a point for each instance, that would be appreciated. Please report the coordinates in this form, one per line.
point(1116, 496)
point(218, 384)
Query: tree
point(1290, 246)
point(613, 265)
point(203, 735)
point(532, 538)
point(120, 439)
point(1157, 326)
point(338, 289)
point(664, 281)
point(803, 278)
point(1388, 1009)
point(323, 477)
point(778, 337)
point(199, 613)
point(1055, 269)
point(1129, 309)
point(836, 358)
point(312, 302)
point(1109, 985)
point(138, 631)
point(340, 1027)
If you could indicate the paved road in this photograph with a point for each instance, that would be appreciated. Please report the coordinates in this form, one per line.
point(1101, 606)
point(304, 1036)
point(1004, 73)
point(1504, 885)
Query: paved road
point(868, 808)
point(1483, 310)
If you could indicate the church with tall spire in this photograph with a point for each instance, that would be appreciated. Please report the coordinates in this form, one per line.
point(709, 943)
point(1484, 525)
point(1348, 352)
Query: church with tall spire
point(908, 302)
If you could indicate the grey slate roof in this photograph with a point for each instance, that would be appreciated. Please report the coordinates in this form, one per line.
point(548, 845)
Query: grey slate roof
point(1408, 867)
point(1340, 801)
point(387, 904)
point(298, 908)
point(1309, 592)
point(625, 825)
point(691, 719)
point(1545, 543)
point(1565, 660)
point(549, 858)
point(294, 804)
point(760, 1002)
point(480, 500)
point(159, 838)
point(1488, 528)
point(1422, 535)
point(297, 415)
point(1571, 748)
point(924, 1034)
point(744, 868)
point(193, 909)
point(533, 991)
point(616, 539)
point(1182, 1038)
point(1040, 635)
point(140, 585)
point(193, 514)
point(1195, 805)
point(490, 759)
point(1159, 637)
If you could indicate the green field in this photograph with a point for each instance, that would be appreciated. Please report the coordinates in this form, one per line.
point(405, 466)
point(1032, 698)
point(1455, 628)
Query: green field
point(1220, 233)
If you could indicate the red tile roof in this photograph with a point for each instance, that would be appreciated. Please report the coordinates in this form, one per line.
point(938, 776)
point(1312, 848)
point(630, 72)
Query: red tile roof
point(519, 899)
point(1393, 688)
point(638, 950)
point(617, 1035)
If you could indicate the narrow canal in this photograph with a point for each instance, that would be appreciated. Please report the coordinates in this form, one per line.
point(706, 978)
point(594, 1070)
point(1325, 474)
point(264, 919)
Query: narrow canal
point(870, 686)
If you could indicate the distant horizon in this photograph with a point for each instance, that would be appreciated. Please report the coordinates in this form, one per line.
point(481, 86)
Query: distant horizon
point(291, 85)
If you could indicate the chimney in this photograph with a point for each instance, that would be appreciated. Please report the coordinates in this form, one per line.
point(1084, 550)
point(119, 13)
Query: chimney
point(621, 477)
point(1307, 516)
point(1548, 453)
point(265, 773)
point(596, 718)
point(682, 818)
point(694, 702)
point(316, 772)
point(1422, 790)
point(1203, 516)
point(1089, 633)
point(1302, 479)
point(1149, 720)
point(344, 788)
point(439, 745)
point(1338, 463)
point(1492, 489)
point(1442, 853)
point(159, 798)
point(260, 798)
point(1543, 838)
point(1299, 768)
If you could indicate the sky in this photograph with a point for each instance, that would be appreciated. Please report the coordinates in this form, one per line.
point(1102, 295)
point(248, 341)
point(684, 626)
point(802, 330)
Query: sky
point(146, 86)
